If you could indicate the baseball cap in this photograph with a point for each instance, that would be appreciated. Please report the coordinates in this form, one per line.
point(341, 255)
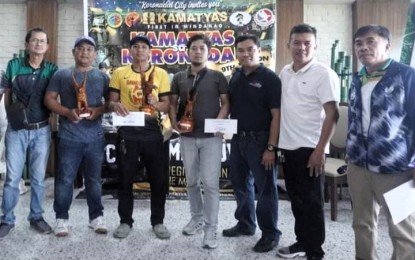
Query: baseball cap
point(86, 39)
point(140, 38)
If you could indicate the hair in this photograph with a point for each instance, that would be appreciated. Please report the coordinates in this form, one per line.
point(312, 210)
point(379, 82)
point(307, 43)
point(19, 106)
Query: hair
point(206, 40)
point(303, 28)
point(245, 37)
point(380, 30)
point(35, 30)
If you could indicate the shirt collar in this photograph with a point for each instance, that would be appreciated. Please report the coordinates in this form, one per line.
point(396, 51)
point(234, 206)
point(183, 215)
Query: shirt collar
point(363, 71)
point(27, 64)
point(189, 71)
point(365, 77)
point(260, 67)
point(305, 68)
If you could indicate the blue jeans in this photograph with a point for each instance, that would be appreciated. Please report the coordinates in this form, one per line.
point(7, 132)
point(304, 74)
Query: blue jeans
point(73, 156)
point(35, 144)
point(246, 173)
point(202, 162)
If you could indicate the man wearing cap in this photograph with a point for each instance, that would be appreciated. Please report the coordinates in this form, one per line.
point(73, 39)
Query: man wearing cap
point(129, 91)
point(24, 83)
point(81, 136)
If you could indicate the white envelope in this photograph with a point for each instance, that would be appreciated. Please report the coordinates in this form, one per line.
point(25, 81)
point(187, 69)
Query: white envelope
point(229, 126)
point(401, 201)
point(132, 119)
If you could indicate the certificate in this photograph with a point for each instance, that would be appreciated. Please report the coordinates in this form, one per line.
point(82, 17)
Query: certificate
point(401, 201)
point(132, 119)
point(229, 126)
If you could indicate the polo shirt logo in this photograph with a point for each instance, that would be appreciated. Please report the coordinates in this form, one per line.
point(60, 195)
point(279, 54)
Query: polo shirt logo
point(255, 84)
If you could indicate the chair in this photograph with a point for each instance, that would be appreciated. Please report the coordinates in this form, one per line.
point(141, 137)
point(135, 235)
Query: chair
point(337, 145)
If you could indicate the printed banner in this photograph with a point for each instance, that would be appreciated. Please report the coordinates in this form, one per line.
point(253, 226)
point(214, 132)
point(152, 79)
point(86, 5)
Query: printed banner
point(177, 177)
point(169, 24)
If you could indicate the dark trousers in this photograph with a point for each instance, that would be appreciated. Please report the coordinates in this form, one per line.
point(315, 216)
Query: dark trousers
point(152, 155)
point(247, 172)
point(307, 201)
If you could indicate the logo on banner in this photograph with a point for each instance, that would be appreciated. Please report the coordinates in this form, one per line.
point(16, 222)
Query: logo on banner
point(132, 19)
point(114, 20)
point(264, 17)
point(240, 18)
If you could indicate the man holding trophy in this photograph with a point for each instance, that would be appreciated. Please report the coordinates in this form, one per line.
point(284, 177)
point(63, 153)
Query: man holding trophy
point(144, 87)
point(203, 93)
point(81, 136)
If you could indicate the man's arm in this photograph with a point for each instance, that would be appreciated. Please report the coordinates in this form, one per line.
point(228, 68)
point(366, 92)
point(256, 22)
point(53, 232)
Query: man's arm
point(114, 104)
point(162, 105)
point(268, 157)
point(224, 109)
point(173, 111)
point(7, 97)
point(317, 158)
point(51, 101)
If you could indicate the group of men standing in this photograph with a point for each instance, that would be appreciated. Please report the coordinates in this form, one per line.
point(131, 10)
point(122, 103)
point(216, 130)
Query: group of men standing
point(294, 113)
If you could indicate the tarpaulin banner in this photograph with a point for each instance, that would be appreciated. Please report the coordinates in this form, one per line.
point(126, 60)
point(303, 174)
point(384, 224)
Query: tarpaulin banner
point(169, 24)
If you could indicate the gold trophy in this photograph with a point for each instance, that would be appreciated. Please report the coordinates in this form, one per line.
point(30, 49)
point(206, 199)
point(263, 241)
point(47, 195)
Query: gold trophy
point(81, 100)
point(186, 122)
point(147, 87)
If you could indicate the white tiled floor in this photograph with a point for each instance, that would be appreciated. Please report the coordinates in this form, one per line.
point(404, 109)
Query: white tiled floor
point(82, 243)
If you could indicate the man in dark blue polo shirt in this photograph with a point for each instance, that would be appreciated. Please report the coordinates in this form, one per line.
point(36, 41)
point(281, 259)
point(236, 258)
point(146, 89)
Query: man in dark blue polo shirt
point(25, 81)
point(255, 96)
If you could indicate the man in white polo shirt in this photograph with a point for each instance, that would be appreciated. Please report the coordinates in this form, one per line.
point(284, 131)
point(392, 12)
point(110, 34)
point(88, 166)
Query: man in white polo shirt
point(309, 111)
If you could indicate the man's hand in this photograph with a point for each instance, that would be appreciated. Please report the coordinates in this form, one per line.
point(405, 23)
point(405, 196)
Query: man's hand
point(119, 108)
point(72, 115)
point(95, 112)
point(316, 163)
point(268, 160)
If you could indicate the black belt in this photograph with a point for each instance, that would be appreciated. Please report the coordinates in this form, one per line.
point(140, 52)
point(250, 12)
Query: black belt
point(34, 126)
point(252, 133)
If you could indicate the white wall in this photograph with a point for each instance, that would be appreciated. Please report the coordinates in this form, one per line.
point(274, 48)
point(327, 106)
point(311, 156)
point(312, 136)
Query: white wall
point(13, 20)
point(13, 24)
point(71, 26)
point(333, 22)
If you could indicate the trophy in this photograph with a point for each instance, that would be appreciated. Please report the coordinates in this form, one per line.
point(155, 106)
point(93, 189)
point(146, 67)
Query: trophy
point(186, 122)
point(81, 100)
point(147, 87)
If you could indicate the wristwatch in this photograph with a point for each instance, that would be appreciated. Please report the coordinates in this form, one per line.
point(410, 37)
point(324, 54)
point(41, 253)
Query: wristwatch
point(271, 147)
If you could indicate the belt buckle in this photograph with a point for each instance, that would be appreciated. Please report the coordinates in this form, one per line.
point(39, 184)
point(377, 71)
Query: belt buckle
point(35, 126)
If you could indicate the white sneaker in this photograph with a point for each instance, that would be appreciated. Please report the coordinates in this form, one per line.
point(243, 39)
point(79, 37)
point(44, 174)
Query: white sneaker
point(192, 227)
point(210, 240)
point(98, 225)
point(61, 228)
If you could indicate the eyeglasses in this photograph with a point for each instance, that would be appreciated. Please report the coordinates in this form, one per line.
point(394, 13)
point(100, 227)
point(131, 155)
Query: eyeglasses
point(37, 41)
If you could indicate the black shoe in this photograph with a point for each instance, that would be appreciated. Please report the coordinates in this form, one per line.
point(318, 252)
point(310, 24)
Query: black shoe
point(315, 258)
point(237, 231)
point(40, 226)
point(5, 229)
point(265, 244)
